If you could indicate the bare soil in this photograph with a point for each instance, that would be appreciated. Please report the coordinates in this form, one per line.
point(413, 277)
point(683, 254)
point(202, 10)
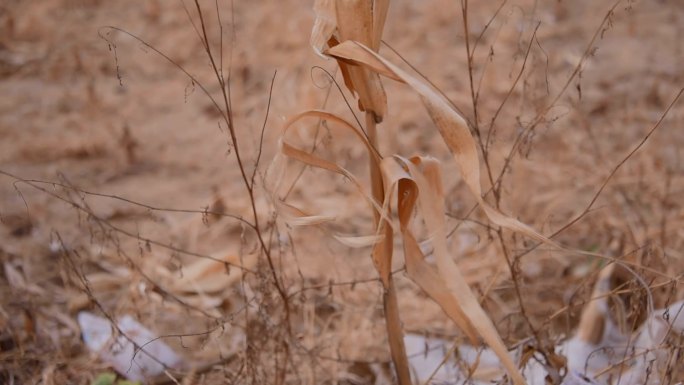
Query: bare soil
point(86, 108)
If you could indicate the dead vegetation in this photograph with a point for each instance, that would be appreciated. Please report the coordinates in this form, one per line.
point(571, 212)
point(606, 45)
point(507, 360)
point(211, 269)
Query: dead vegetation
point(192, 167)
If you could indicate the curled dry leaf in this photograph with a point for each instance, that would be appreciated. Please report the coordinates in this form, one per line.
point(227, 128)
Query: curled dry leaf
point(324, 25)
point(449, 122)
point(17, 281)
point(297, 216)
point(358, 20)
point(205, 276)
point(360, 241)
point(421, 183)
point(418, 177)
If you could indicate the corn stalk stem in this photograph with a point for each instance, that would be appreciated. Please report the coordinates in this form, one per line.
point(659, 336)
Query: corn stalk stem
point(390, 304)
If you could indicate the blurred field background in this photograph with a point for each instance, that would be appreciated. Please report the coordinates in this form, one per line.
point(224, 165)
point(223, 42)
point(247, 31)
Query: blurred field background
point(86, 109)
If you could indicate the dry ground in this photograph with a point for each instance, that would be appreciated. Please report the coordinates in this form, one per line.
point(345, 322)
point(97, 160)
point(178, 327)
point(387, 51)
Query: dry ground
point(87, 108)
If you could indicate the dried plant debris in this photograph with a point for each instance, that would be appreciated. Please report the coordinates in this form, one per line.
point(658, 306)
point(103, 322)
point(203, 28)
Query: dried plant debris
point(424, 193)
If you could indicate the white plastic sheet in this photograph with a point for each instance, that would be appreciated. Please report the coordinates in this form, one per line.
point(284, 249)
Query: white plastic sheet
point(135, 352)
point(586, 363)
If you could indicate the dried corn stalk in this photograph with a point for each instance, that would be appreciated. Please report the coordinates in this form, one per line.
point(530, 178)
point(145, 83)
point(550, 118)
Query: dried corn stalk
point(352, 30)
point(418, 180)
point(364, 20)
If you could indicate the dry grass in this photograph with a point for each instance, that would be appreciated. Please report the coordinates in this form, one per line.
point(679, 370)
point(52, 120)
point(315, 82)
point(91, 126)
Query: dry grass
point(119, 195)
